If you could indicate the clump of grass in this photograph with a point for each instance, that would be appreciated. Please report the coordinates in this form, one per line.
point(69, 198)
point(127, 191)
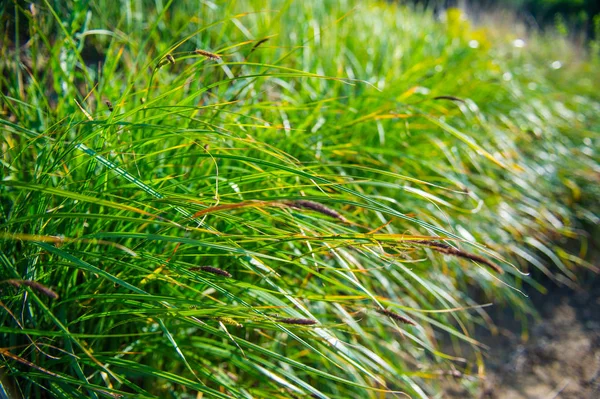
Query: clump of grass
point(246, 164)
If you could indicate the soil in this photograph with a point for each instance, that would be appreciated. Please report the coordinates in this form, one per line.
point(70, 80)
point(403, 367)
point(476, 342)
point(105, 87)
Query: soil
point(561, 358)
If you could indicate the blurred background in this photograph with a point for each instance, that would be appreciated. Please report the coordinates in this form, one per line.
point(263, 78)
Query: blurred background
point(579, 16)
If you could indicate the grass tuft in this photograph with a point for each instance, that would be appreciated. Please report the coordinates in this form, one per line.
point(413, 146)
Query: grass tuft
point(327, 171)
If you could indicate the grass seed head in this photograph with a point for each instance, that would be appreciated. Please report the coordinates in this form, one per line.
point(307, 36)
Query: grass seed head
point(229, 321)
point(396, 316)
point(34, 285)
point(208, 54)
point(448, 250)
point(258, 43)
point(451, 98)
point(434, 244)
point(169, 59)
point(317, 207)
point(304, 322)
point(213, 270)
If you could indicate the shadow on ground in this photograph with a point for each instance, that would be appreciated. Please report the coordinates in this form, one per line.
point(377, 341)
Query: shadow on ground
point(561, 358)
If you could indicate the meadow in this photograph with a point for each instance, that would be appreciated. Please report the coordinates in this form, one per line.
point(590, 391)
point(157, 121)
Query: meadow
point(280, 199)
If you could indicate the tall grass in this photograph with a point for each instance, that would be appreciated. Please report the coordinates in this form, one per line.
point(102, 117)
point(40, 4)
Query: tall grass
point(276, 198)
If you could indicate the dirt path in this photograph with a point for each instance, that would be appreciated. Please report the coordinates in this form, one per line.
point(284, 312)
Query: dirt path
point(561, 359)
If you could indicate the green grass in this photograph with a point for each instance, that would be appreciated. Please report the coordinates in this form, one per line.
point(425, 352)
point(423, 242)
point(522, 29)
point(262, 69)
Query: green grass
point(130, 185)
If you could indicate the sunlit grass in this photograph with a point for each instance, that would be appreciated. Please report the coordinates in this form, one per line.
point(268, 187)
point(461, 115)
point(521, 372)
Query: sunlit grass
point(277, 199)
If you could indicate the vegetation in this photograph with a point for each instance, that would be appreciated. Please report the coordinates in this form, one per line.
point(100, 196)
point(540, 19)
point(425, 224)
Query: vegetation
point(277, 199)
point(577, 18)
point(578, 11)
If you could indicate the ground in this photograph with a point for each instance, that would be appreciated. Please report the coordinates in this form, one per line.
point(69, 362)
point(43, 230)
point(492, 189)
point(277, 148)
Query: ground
point(561, 357)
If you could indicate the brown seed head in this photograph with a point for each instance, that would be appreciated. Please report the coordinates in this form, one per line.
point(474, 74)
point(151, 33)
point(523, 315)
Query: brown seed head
point(304, 322)
point(34, 285)
point(396, 316)
point(448, 250)
point(258, 43)
point(213, 270)
point(317, 207)
point(208, 54)
point(230, 321)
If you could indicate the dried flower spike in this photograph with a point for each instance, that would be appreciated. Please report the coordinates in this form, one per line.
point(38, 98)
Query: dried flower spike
point(448, 250)
point(169, 59)
point(208, 54)
point(451, 98)
point(304, 322)
point(34, 285)
point(317, 207)
point(213, 270)
point(258, 43)
point(396, 316)
point(230, 321)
